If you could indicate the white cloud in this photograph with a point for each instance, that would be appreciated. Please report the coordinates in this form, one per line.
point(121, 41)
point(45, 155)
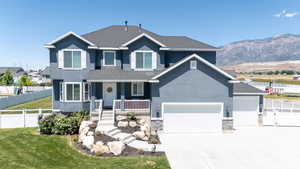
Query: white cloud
point(285, 14)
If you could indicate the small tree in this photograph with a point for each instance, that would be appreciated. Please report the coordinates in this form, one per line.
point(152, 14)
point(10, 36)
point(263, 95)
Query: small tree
point(25, 81)
point(7, 78)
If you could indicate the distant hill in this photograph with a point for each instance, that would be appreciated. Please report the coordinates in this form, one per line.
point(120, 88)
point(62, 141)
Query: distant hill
point(283, 47)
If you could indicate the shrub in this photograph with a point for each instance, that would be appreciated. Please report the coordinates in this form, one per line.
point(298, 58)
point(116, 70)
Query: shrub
point(74, 139)
point(46, 124)
point(141, 151)
point(98, 133)
point(62, 125)
point(99, 153)
point(131, 116)
point(153, 140)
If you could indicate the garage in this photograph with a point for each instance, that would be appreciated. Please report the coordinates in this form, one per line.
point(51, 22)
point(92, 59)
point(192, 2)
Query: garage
point(192, 117)
point(245, 111)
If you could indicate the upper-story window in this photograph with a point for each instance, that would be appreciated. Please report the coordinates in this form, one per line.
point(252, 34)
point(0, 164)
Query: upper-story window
point(72, 59)
point(143, 60)
point(109, 58)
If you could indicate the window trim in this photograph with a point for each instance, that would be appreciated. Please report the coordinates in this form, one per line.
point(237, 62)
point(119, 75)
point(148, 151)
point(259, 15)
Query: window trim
point(137, 94)
point(80, 91)
point(192, 66)
point(154, 54)
point(103, 54)
point(72, 50)
point(61, 91)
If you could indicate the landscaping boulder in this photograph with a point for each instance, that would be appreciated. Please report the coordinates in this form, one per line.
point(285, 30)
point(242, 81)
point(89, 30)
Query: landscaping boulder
point(122, 123)
point(99, 143)
point(116, 147)
point(132, 124)
point(120, 118)
point(100, 148)
point(139, 134)
point(146, 128)
point(90, 133)
point(141, 122)
point(84, 124)
point(146, 138)
point(88, 141)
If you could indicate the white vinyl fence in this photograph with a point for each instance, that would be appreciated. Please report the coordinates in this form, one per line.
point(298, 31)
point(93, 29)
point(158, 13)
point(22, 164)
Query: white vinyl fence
point(279, 112)
point(22, 118)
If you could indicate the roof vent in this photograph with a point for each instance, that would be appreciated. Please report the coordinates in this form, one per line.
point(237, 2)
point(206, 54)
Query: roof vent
point(140, 27)
point(126, 26)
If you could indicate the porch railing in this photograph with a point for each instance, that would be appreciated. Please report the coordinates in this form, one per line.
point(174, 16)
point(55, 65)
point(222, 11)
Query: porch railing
point(99, 105)
point(132, 105)
point(96, 106)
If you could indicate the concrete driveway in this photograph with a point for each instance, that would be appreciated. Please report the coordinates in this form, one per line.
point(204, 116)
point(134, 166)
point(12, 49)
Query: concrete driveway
point(246, 148)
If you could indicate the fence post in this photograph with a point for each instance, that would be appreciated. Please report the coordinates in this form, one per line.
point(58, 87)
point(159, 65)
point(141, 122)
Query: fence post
point(40, 111)
point(24, 114)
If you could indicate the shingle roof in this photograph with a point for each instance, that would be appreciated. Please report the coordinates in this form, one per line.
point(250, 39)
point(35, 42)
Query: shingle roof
point(115, 36)
point(120, 75)
point(243, 88)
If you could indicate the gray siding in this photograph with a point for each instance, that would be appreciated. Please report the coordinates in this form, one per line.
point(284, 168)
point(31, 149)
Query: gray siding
point(173, 57)
point(185, 85)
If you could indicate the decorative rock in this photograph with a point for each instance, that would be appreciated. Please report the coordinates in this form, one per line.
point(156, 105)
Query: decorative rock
point(132, 124)
point(122, 123)
point(116, 147)
point(139, 134)
point(119, 118)
point(146, 138)
point(84, 130)
point(145, 127)
point(100, 148)
point(99, 143)
point(90, 133)
point(88, 141)
point(142, 122)
point(84, 124)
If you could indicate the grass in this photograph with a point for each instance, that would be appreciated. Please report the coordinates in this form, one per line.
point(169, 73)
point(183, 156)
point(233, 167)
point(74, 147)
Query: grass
point(25, 148)
point(284, 96)
point(43, 103)
point(281, 79)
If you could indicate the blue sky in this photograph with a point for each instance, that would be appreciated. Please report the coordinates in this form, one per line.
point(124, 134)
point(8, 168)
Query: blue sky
point(25, 25)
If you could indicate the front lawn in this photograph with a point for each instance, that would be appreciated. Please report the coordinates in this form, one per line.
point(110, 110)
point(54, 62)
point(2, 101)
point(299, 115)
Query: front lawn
point(25, 148)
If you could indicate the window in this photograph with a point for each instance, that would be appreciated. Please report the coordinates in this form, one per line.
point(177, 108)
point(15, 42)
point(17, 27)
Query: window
point(86, 91)
point(109, 58)
point(72, 59)
point(193, 64)
point(73, 91)
point(137, 89)
point(143, 60)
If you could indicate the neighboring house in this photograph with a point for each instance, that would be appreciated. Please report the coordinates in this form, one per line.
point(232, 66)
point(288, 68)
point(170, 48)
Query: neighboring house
point(132, 69)
point(46, 76)
point(17, 72)
point(35, 76)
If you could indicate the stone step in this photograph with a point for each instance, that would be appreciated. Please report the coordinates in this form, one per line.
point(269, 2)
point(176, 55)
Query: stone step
point(129, 140)
point(121, 136)
point(115, 132)
point(106, 122)
point(140, 145)
point(106, 128)
point(107, 118)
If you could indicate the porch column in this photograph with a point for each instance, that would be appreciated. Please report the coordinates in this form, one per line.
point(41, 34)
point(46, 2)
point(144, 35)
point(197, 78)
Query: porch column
point(122, 106)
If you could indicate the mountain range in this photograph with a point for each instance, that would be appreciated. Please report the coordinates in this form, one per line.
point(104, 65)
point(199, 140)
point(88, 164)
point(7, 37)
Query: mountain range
point(284, 47)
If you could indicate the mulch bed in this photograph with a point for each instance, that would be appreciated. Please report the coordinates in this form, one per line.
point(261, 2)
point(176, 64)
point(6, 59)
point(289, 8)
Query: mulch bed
point(127, 152)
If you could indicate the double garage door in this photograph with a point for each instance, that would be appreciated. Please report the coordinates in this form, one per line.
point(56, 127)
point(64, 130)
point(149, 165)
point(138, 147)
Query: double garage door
point(192, 117)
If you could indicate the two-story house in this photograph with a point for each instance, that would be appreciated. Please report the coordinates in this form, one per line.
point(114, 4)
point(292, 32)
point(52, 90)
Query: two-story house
point(171, 79)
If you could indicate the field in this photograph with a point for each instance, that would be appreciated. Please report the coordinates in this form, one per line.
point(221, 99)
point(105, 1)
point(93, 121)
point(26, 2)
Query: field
point(25, 148)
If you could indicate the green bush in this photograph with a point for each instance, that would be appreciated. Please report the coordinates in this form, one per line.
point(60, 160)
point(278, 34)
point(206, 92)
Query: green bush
point(131, 116)
point(62, 125)
point(46, 123)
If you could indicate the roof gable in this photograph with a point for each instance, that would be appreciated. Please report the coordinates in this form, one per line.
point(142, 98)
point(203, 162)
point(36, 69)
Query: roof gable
point(51, 44)
point(143, 35)
point(200, 59)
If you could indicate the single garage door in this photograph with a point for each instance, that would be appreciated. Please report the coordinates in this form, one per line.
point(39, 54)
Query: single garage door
point(192, 117)
point(245, 111)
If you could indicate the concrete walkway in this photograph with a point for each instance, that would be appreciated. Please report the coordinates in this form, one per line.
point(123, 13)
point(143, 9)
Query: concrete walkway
point(247, 148)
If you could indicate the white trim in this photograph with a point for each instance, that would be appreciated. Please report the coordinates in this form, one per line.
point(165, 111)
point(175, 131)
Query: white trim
point(151, 81)
point(61, 91)
point(249, 94)
point(190, 103)
point(107, 48)
point(193, 65)
point(188, 49)
point(107, 51)
point(83, 91)
point(49, 46)
point(154, 54)
point(68, 34)
point(80, 92)
point(234, 81)
point(199, 58)
point(72, 50)
point(138, 94)
point(142, 35)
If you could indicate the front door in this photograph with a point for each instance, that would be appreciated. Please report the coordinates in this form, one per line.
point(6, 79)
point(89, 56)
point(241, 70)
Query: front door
point(109, 94)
